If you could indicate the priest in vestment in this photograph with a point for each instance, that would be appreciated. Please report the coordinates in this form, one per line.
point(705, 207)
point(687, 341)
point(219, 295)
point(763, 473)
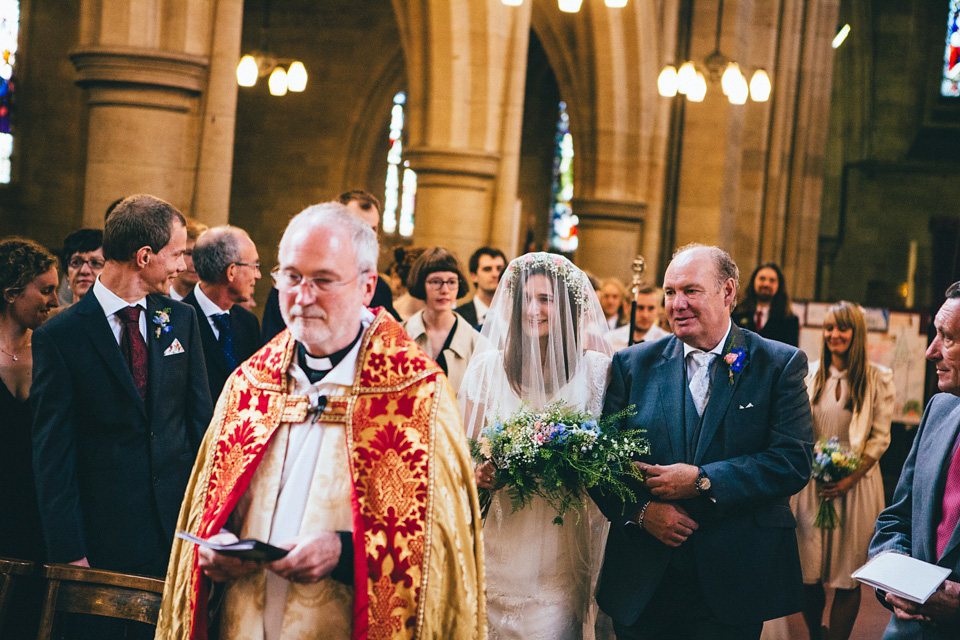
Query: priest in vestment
point(339, 440)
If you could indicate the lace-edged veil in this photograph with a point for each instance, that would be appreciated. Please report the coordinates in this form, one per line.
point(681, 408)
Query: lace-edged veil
point(543, 319)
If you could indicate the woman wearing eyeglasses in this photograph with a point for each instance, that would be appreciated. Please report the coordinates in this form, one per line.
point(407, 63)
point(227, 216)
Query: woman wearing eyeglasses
point(437, 278)
point(82, 260)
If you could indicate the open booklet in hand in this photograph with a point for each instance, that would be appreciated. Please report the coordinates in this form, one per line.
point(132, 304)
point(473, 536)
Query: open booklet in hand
point(902, 575)
point(248, 549)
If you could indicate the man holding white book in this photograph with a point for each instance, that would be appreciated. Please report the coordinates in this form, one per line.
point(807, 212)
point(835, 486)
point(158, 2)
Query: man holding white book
point(922, 520)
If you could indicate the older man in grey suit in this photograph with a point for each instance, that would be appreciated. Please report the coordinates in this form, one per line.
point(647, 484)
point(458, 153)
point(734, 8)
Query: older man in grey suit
point(708, 550)
point(922, 520)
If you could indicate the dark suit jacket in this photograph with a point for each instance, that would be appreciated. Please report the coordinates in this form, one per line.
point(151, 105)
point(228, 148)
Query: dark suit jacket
point(755, 444)
point(273, 322)
point(246, 341)
point(468, 312)
point(111, 468)
point(909, 524)
point(785, 329)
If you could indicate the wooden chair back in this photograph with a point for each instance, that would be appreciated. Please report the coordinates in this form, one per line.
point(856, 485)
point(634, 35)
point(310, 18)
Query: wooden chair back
point(11, 571)
point(72, 589)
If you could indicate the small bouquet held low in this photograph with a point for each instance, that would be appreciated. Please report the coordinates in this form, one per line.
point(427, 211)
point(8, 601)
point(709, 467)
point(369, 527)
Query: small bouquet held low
point(557, 453)
point(831, 463)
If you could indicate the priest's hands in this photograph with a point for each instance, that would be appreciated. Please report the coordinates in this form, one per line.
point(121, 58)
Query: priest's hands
point(943, 607)
point(668, 523)
point(311, 557)
point(221, 568)
point(670, 481)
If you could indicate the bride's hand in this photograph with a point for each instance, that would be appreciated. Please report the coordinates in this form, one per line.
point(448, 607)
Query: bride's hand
point(486, 475)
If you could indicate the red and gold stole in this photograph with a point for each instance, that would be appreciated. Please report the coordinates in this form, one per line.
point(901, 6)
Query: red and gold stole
point(389, 417)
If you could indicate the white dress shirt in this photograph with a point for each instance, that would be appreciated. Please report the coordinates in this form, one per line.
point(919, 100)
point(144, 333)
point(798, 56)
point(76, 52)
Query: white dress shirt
point(209, 308)
point(691, 364)
point(111, 303)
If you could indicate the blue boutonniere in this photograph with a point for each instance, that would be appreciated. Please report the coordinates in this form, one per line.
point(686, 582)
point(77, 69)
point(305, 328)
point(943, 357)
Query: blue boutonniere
point(735, 359)
point(161, 318)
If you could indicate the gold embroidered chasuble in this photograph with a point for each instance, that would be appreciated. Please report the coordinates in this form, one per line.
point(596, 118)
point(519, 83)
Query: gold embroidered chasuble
point(418, 557)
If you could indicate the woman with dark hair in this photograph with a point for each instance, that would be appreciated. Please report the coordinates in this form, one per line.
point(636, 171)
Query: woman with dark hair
point(81, 258)
point(28, 293)
point(437, 279)
point(852, 400)
point(542, 343)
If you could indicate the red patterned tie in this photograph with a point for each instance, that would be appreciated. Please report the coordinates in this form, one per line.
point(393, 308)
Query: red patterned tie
point(134, 347)
point(950, 507)
point(758, 321)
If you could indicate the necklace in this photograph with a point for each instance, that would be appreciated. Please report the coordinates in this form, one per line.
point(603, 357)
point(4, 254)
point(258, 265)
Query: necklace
point(15, 358)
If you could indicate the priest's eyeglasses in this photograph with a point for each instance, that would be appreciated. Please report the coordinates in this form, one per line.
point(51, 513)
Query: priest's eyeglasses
point(287, 280)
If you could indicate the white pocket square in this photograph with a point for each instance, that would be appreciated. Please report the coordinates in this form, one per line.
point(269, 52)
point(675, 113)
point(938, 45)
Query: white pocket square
point(749, 406)
point(174, 348)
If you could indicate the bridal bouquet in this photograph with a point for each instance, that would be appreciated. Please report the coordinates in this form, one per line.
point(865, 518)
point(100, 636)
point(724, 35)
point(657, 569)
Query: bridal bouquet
point(831, 463)
point(557, 453)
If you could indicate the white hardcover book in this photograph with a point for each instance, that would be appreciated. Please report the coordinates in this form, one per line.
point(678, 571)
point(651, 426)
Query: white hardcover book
point(903, 576)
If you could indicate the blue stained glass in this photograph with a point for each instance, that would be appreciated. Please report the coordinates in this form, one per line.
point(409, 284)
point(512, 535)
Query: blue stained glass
point(400, 194)
point(563, 223)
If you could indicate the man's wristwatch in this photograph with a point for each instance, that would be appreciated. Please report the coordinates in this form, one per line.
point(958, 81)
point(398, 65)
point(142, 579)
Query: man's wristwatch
point(703, 482)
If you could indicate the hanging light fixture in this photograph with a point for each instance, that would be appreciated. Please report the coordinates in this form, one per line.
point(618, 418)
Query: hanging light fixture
point(691, 78)
point(260, 63)
point(571, 6)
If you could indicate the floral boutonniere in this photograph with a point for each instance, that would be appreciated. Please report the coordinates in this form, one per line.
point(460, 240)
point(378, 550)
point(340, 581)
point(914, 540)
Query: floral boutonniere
point(161, 318)
point(735, 358)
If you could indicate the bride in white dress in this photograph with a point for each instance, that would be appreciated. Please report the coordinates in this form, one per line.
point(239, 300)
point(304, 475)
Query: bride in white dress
point(541, 343)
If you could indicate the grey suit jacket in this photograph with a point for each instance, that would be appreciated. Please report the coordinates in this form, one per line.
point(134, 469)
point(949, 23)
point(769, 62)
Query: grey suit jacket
point(755, 443)
point(909, 524)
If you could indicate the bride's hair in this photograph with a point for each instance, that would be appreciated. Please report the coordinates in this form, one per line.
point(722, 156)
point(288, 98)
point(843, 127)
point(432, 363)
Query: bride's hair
point(513, 349)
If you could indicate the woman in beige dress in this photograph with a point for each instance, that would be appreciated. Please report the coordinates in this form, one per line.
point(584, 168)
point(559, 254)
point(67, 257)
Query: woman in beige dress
point(852, 400)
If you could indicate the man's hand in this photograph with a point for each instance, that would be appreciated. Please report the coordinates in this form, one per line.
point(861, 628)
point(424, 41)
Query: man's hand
point(943, 607)
point(668, 523)
point(221, 568)
point(311, 558)
point(670, 482)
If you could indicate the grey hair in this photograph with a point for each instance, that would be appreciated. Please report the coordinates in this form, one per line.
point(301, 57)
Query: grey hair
point(216, 250)
point(953, 291)
point(724, 264)
point(333, 215)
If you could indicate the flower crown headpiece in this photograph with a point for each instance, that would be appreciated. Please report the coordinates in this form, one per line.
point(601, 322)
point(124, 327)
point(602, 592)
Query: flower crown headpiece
point(556, 265)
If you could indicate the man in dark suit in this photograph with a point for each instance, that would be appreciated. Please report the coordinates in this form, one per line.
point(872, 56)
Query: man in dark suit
point(120, 401)
point(228, 265)
point(922, 520)
point(486, 266)
point(766, 307)
point(708, 549)
point(365, 206)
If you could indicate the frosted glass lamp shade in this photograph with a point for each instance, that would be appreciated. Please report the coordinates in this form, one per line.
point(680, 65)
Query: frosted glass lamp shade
point(247, 71)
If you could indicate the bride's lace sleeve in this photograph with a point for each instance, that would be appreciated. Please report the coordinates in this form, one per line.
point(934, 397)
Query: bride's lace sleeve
point(598, 377)
point(478, 391)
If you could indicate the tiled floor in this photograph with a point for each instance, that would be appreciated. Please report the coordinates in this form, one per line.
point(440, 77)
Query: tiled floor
point(870, 623)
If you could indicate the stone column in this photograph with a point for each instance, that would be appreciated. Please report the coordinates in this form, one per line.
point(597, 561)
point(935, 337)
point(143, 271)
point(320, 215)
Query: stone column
point(141, 103)
point(162, 101)
point(454, 197)
point(610, 234)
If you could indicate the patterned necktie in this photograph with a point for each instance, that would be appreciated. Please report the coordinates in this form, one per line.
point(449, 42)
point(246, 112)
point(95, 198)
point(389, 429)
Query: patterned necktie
point(950, 507)
point(134, 347)
point(700, 384)
point(222, 320)
point(758, 321)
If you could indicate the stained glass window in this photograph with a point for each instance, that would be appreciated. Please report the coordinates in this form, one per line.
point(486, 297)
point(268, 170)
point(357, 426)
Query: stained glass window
point(401, 184)
point(949, 86)
point(9, 30)
point(563, 224)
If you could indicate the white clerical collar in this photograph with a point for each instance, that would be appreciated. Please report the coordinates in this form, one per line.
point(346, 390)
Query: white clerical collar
point(173, 295)
point(717, 349)
point(208, 306)
point(111, 302)
point(343, 373)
